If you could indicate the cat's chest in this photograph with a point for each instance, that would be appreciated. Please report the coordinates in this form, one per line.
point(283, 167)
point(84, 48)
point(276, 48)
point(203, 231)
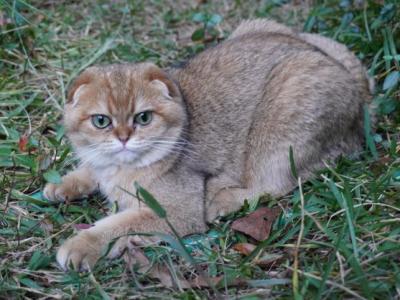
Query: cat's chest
point(117, 184)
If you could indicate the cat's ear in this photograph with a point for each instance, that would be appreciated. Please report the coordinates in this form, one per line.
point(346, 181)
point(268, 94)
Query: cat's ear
point(77, 86)
point(162, 81)
point(162, 87)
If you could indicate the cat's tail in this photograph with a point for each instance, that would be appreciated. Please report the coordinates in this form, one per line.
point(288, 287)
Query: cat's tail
point(344, 56)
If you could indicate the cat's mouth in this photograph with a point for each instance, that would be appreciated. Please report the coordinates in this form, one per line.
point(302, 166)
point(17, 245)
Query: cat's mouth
point(126, 155)
point(126, 151)
point(122, 150)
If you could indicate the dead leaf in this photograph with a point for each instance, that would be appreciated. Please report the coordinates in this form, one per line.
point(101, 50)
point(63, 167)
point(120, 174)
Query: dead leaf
point(23, 142)
point(136, 256)
point(257, 224)
point(200, 281)
point(47, 226)
point(244, 248)
point(39, 18)
point(82, 226)
point(267, 259)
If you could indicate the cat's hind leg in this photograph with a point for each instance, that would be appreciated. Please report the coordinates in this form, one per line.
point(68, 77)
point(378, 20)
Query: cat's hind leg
point(271, 176)
point(318, 119)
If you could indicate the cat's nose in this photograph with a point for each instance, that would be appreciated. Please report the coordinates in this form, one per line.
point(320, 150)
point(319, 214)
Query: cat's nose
point(123, 139)
point(123, 134)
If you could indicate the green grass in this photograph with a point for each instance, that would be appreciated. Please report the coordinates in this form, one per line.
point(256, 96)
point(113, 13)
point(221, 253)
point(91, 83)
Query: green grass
point(349, 243)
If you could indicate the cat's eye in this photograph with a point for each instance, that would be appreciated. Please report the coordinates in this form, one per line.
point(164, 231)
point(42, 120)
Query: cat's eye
point(143, 118)
point(101, 121)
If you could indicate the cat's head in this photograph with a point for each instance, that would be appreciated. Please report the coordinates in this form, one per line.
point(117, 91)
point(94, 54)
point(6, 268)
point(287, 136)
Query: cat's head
point(130, 114)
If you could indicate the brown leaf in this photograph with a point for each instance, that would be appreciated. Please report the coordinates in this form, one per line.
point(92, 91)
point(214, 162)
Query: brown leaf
point(23, 142)
point(47, 226)
point(268, 259)
point(200, 281)
point(244, 248)
point(257, 224)
point(161, 272)
point(82, 226)
point(164, 276)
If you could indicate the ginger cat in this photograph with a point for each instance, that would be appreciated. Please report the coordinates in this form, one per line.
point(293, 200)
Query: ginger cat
point(207, 136)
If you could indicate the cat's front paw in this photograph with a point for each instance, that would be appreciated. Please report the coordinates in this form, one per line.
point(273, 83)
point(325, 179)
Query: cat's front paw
point(80, 252)
point(60, 192)
point(215, 210)
point(131, 244)
point(225, 202)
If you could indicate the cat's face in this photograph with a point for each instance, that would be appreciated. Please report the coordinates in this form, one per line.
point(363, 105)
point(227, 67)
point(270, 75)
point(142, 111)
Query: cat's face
point(124, 115)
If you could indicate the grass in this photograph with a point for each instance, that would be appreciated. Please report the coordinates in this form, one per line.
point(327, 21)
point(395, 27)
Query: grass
point(338, 236)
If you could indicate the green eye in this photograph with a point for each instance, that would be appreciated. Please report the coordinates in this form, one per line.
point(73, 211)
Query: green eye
point(101, 121)
point(143, 118)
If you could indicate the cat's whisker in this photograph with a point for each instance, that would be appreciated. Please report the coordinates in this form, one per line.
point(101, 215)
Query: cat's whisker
point(173, 150)
point(77, 156)
point(70, 161)
point(95, 145)
point(90, 160)
point(90, 153)
point(181, 146)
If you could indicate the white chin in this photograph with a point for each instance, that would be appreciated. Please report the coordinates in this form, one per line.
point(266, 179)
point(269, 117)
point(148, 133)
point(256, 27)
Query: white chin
point(125, 157)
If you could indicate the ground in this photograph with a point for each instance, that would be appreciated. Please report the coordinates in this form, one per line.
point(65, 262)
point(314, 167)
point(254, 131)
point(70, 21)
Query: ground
point(337, 237)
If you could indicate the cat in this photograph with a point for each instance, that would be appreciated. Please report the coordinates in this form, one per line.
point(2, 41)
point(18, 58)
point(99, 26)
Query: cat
point(204, 137)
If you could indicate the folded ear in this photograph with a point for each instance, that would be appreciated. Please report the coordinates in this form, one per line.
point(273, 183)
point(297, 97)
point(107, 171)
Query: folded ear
point(77, 85)
point(162, 81)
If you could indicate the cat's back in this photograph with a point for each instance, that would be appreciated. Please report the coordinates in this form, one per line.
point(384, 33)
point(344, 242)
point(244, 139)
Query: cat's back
point(243, 57)
point(252, 51)
point(225, 85)
point(230, 78)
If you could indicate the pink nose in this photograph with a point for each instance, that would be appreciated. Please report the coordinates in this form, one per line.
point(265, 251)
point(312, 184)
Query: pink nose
point(123, 139)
